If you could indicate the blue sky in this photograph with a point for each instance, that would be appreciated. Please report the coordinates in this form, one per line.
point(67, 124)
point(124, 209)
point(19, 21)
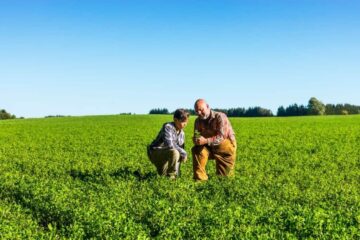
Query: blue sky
point(107, 57)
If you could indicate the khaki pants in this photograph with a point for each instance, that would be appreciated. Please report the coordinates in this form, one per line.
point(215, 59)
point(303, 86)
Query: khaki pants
point(166, 161)
point(224, 155)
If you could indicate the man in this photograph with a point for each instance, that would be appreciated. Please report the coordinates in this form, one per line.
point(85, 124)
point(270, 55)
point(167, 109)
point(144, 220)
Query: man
point(166, 152)
point(214, 138)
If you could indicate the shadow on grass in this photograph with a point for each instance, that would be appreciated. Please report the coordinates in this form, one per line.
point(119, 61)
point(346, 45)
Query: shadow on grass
point(125, 173)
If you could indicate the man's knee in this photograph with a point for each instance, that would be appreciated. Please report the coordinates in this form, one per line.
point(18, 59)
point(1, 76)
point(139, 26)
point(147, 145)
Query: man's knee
point(198, 150)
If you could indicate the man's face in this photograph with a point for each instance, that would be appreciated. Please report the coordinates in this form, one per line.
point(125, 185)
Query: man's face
point(202, 110)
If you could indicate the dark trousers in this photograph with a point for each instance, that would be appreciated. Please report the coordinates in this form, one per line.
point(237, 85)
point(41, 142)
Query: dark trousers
point(166, 161)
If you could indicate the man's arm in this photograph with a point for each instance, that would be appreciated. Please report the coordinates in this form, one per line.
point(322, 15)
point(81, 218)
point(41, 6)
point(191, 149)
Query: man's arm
point(220, 131)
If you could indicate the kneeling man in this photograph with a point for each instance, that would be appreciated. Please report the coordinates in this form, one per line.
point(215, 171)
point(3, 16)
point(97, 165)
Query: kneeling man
point(214, 138)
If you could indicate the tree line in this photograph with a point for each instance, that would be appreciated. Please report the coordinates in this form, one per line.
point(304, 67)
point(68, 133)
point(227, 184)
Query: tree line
point(314, 107)
point(232, 112)
point(5, 115)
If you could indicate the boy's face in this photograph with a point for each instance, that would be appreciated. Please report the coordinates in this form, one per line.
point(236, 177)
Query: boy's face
point(179, 124)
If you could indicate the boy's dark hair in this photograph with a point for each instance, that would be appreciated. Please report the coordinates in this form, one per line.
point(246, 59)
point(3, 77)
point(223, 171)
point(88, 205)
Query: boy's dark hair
point(181, 114)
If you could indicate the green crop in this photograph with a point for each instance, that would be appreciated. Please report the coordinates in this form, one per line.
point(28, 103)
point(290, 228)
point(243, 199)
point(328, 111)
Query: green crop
point(197, 134)
point(89, 178)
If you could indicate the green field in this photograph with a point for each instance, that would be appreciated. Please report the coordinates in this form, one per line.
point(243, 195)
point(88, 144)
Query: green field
point(89, 177)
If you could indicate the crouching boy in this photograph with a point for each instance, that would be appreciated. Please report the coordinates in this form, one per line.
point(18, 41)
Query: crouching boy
point(167, 151)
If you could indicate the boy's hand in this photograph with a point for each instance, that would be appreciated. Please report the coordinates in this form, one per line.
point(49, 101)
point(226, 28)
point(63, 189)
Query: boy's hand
point(183, 159)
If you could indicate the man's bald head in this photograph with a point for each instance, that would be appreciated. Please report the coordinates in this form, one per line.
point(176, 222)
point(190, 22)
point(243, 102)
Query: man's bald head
point(199, 101)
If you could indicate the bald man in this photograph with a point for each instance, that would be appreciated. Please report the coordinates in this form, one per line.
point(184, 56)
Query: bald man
point(213, 138)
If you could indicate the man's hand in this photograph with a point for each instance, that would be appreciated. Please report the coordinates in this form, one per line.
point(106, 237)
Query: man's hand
point(200, 141)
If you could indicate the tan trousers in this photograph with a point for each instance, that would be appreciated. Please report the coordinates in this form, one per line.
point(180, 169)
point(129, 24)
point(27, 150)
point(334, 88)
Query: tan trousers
point(166, 161)
point(224, 155)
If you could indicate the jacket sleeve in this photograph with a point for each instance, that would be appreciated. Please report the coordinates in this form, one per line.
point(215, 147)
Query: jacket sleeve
point(220, 132)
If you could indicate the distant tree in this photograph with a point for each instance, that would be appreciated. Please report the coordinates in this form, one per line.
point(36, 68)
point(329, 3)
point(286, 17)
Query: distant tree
point(258, 112)
point(5, 115)
point(292, 110)
point(332, 109)
point(281, 111)
point(159, 111)
point(351, 109)
point(316, 107)
point(236, 112)
point(242, 112)
point(302, 110)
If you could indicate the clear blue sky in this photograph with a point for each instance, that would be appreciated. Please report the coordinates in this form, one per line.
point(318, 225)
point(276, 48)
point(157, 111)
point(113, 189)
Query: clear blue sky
point(107, 57)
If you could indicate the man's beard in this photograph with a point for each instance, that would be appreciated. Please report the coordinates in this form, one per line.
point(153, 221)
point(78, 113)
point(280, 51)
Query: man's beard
point(204, 117)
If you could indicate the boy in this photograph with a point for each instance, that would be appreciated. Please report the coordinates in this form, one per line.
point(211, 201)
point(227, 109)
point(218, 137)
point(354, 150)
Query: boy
point(166, 152)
